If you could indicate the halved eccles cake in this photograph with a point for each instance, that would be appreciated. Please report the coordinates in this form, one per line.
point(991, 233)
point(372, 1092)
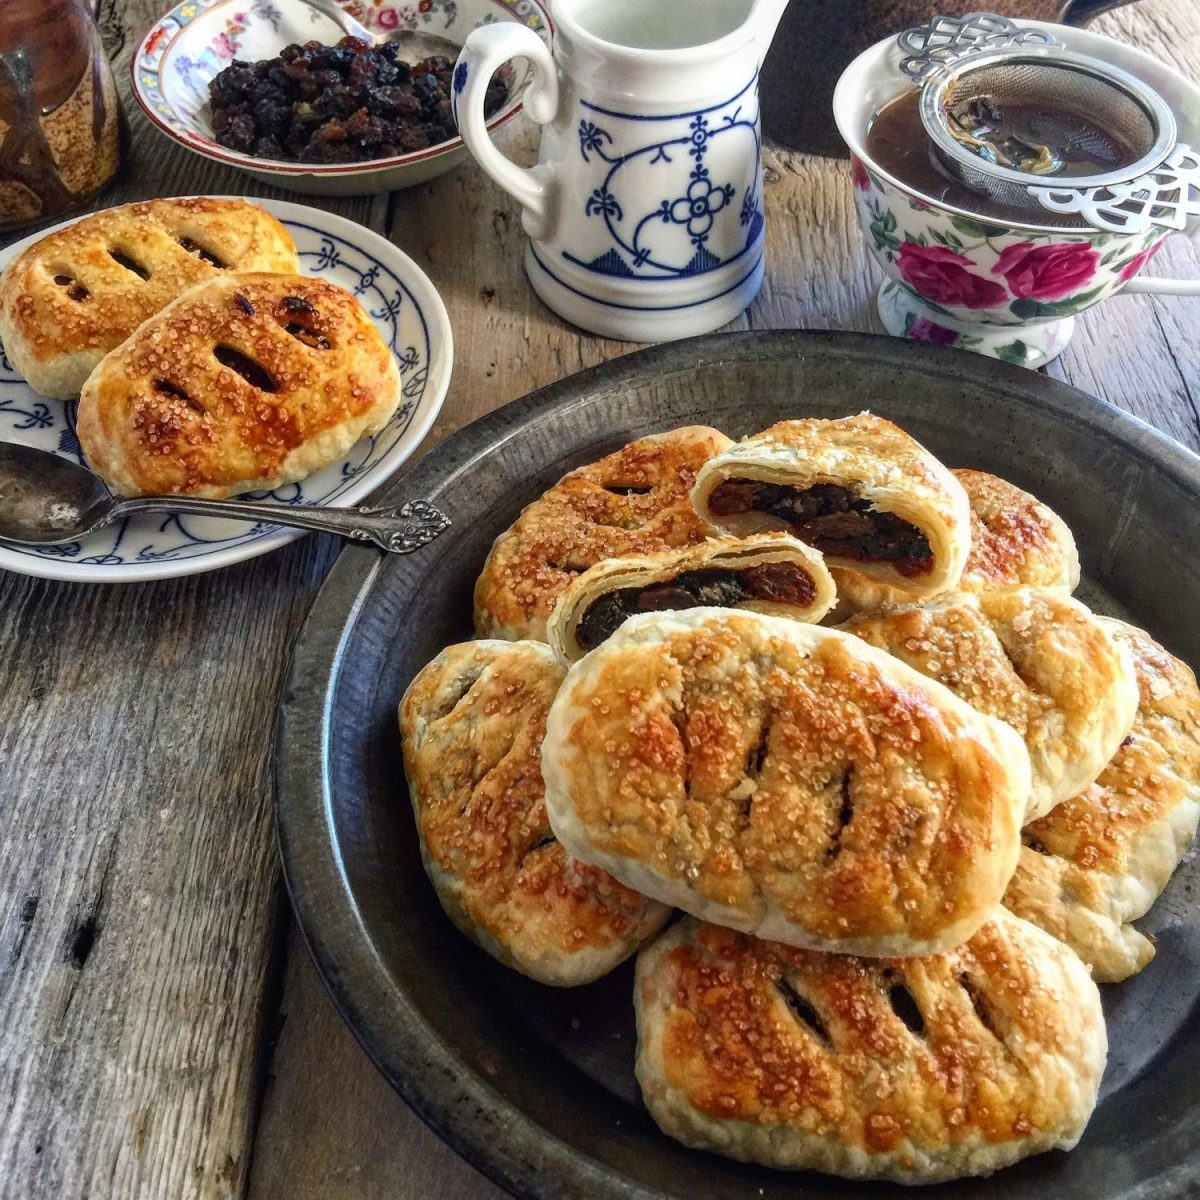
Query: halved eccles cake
point(632, 502)
point(768, 573)
point(472, 723)
point(1100, 859)
point(1016, 541)
point(786, 780)
point(859, 489)
point(915, 1070)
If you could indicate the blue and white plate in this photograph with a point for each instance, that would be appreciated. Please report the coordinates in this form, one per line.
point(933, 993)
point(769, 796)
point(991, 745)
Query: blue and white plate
point(412, 319)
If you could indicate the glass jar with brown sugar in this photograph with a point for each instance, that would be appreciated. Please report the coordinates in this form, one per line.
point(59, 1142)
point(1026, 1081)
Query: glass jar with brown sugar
point(60, 122)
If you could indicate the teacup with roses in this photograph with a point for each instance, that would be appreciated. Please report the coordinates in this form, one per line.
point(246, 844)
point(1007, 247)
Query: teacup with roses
point(958, 277)
point(1008, 291)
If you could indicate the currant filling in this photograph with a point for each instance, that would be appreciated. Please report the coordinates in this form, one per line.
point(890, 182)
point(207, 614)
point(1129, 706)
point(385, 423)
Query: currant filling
point(831, 519)
point(779, 582)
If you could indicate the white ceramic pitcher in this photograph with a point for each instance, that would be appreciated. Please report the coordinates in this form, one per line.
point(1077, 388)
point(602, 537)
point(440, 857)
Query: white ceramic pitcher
point(645, 211)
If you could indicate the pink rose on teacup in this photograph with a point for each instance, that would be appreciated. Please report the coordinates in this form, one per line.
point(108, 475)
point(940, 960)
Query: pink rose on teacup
point(925, 330)
point(1046, 272)
point(1131, 268)
point(858, 173)
point(387, 18)
point(941, 275)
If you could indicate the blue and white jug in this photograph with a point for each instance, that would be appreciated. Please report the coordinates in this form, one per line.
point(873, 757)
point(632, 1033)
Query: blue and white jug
point(645, 211)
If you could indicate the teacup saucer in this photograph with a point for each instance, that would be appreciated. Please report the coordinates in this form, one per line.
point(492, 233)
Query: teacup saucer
point(904, 314)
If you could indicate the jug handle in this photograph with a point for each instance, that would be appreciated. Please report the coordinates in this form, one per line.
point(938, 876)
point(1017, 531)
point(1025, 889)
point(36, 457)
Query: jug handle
point(487, 49)
point(1156, 285)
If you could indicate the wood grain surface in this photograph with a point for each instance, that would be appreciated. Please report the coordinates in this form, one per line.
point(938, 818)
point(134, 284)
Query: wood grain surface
point(162, 1031)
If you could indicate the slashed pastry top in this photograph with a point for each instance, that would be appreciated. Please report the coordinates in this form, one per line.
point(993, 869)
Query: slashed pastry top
point(472, 724)
point(1100, 859)
point(859, 489)
point(915, 1070)
point(79, 292)
point(787, 780)
point(1016, 540)
point(767, 572)
point(244, 382)
point(632, 502)
point(1033, 657)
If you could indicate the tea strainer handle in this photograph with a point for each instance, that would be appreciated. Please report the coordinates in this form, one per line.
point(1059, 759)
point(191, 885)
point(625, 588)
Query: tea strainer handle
point(1168, 195)
point(947, 39)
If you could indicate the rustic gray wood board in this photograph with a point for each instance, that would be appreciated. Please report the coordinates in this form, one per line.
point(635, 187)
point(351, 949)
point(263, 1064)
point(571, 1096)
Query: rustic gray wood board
point(535, 1085)
point(140, 929)
point(185, 1053)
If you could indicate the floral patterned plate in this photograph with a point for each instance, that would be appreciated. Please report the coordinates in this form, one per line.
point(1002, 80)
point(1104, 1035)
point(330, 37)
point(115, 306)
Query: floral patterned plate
point(413, 321)
point(197, 39)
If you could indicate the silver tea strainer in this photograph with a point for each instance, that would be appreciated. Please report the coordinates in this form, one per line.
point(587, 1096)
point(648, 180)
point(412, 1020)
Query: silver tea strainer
point(975, 68)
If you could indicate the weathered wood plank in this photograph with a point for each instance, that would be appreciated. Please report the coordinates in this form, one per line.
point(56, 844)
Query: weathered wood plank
point(139, 892)
point(1143, 352)
point(331, 1129)
point(138, 887)
point(346, 1133)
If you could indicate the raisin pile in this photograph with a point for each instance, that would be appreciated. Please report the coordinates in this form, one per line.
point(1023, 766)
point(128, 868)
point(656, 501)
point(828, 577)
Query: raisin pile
point(337, 104)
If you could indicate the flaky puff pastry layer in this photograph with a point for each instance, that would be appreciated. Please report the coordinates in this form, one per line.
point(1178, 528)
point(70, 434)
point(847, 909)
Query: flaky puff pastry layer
point(719, 554)
point(1100, 859)
point(1016, 541)
point(1032, 657)
point(245, 382)
point(79, 292)
point(634, 501)
point(472, 723)
point(872, 458)
point(913, 1070)
point(786, 780)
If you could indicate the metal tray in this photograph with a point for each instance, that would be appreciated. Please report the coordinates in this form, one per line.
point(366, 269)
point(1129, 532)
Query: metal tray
point(535, 1085)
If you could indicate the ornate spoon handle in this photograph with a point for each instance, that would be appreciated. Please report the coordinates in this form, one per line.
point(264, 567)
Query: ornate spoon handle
point(397, 530)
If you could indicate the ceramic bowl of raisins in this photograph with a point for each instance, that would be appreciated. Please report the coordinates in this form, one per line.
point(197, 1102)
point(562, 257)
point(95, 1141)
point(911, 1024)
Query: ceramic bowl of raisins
point(279, 91)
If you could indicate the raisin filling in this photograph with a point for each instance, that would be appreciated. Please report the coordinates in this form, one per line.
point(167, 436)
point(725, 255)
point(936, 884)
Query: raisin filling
point(778, 582)
point(831, 519)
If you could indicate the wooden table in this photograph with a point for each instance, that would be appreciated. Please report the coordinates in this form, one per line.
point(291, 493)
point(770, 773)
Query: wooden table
point(162, 1030)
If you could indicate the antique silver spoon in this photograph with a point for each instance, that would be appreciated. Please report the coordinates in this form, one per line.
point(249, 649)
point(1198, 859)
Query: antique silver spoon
point(46, 500)
point(415, 43)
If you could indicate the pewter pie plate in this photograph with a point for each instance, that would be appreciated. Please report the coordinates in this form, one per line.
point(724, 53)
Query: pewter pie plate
point(534, 1085)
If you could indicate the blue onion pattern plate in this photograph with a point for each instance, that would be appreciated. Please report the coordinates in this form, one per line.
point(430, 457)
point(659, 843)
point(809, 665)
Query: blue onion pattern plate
point(412, 319)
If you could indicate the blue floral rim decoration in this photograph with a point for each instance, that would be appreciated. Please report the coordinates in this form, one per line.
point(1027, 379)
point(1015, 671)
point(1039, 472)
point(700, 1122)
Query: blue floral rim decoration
point(150, 538)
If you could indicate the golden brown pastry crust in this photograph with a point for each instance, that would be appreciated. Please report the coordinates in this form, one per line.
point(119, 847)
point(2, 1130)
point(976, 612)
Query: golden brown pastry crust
point(787, 780)
point(718, 554)
point(165, 413)
point(1016, 541)
point(795, 1059)
point(1032, 657)
point(632, 502)
point(54, 335)
point(472, 723)
point(875, 460)
point(1100, 859)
